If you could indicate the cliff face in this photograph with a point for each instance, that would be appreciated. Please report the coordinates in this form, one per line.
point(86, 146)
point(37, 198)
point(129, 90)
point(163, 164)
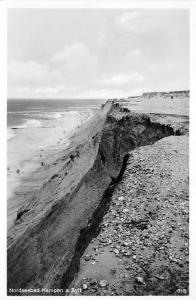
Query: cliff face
point(43, 243)
point(171, 94)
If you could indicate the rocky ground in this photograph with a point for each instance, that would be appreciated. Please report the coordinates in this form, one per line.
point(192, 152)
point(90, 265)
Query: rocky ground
point(142, 247)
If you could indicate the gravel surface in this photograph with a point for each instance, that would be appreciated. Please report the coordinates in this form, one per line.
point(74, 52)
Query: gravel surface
point(142, 247)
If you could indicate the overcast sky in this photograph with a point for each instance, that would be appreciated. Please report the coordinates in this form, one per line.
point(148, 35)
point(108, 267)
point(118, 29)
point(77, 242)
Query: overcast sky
point(63, 53)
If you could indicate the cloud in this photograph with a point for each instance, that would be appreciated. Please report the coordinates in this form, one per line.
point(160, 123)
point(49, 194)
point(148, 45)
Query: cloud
point(106, 93)
point(31, 73)
point(131, 56)
point(19, 91)
point(74, 56)
point(126, 17)
point(53, 91)
point(71, 67)
point(77, 92)
point(50, 90)
point(125, 20)
point(102, 39)
point(135, 52)
point(122, 79)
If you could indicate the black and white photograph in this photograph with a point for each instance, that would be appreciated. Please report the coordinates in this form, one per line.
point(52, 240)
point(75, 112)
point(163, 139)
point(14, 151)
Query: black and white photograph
point(98, 151)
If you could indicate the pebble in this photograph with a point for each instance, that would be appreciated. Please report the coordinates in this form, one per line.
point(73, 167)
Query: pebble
point(103, 283)
point(118, 229)
point(180, 264)
point(84, 286)
point(113, 271)
point(87, 257)
point(140, 279)
point(93, 281)
point(116, 251)
point(160, 277)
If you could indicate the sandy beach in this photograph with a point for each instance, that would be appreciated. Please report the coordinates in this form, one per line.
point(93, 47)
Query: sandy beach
point(33, 148)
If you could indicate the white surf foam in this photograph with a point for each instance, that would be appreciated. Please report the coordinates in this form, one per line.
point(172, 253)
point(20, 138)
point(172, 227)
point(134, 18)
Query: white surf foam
point(10, 134)
point(29, 123)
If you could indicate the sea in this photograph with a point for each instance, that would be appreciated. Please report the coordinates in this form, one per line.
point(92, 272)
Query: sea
point(39, 125)
point(28, 113)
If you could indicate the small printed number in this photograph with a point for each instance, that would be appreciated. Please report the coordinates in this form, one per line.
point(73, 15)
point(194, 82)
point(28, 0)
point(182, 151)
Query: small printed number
point(182, 291)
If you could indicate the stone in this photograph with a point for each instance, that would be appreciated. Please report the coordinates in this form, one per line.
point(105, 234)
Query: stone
point(87, 257)
point(93, 281)
point(160, 277)
point(84, 286)
point(103, 283)
point(140, 280)
point(180, 264)
point(113, 271)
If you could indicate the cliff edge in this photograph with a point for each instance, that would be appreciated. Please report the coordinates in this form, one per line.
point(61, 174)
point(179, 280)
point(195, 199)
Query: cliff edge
point(56, 223)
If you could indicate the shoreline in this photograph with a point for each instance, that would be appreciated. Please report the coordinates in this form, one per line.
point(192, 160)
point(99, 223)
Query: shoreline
point(53, 137)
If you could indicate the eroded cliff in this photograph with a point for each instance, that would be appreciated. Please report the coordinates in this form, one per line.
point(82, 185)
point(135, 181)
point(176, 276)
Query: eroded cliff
point(54, 226)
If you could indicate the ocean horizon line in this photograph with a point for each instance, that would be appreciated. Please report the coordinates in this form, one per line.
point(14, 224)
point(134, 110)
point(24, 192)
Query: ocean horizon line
point(105, 98)
point(10, 99)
